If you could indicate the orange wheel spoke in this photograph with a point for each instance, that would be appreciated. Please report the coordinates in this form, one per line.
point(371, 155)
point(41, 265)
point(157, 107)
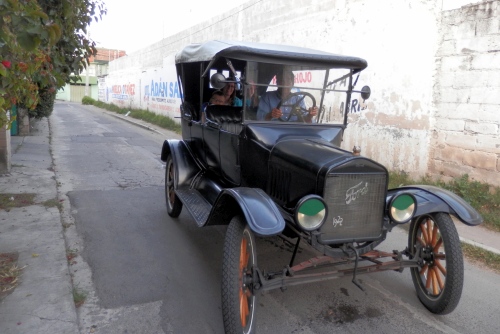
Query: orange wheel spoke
point(435, 289)
point(440, 266)
point(439, 278)
point(243, 308)
point(438, 245)
point(429, 279)
point(440, 256)
point(430, 226)
point(434, 236)
point(424, 234)
point(243, 255)
point(423, 270)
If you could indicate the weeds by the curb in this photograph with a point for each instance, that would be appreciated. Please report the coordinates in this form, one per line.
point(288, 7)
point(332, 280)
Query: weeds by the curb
point(145, 115)
point(79, 296)
point(9, 273)
point(482, 256)
point(9, 201)
point(71, 254)
point(51, 203)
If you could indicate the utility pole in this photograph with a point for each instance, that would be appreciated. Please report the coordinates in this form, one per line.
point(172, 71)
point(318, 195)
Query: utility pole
point(87, 73)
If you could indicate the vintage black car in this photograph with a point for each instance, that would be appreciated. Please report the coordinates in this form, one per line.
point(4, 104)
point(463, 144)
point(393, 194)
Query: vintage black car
point(270, 163)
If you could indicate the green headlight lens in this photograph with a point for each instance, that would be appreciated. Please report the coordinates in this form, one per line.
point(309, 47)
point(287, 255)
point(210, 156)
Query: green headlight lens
point(403, 208)
point(311, 214)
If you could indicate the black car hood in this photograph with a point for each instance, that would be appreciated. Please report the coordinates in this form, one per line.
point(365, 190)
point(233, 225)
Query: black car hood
point(308, 155)
point(298, 167)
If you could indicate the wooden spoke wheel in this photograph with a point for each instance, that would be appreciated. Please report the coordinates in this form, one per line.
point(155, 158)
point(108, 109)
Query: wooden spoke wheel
point(434, 241)
point(174, 205)
point(238, 298)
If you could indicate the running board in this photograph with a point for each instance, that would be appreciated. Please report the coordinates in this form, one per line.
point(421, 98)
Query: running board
point(196, 204)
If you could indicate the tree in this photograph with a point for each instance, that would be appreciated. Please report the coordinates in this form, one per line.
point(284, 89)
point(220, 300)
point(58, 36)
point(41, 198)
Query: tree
point(71, 54)
point(41, 44)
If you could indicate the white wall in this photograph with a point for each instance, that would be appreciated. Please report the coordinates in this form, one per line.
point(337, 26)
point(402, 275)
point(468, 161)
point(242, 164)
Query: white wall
point(466, 132)
point(401, 40)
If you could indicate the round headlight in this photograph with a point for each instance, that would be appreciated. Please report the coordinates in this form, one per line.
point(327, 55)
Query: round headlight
point(402, 208)
point(310, 212)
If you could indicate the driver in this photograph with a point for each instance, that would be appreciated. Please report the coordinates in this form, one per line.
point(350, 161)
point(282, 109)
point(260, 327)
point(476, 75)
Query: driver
point(269, 101)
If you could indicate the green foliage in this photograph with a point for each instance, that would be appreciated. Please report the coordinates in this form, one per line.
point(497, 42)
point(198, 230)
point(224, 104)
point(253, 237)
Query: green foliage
point(478, 254)
point(45, 104)
point(160, 120)
point(41, 43)
point(8, 201)
point(148, 116)
point(79, 296)
point(88, 100)
point(72, 52)
point(483, 197)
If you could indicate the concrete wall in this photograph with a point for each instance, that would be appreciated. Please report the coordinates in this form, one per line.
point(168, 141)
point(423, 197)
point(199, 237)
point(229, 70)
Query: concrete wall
point(404, 42)
point(466, 133)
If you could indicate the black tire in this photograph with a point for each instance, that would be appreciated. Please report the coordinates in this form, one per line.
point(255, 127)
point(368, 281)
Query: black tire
point(238, 298)
point(174, 205)
point(439, 278)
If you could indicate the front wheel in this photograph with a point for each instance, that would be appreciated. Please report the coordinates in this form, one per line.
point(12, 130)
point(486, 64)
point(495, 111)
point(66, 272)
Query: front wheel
point(439, 278)
point(174, 204)
point(238, 298)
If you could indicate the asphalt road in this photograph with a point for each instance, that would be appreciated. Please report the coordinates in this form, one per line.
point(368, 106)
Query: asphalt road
point(144, 272)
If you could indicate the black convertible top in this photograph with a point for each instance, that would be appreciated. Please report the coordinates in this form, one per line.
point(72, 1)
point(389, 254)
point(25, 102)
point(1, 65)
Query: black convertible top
point(269, 53)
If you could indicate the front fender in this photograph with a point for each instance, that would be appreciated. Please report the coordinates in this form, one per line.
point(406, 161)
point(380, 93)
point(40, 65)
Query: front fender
point(434, 199)
point(185, 165)
point(261, 213)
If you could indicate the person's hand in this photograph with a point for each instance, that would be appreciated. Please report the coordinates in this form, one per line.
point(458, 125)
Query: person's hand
point(313, 111)
point(275, 113)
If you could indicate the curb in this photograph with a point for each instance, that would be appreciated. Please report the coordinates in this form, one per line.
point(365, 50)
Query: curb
point(479, 245)
point(127, 119)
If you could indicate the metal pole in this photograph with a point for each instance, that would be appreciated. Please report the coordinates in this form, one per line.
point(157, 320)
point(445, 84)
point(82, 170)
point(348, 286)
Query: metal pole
point(87, 73)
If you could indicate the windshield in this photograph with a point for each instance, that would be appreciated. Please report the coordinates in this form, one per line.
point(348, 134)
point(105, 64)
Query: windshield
point(274, 93)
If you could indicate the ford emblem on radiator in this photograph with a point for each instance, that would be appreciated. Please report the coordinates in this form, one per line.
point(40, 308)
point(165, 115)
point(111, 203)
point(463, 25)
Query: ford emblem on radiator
point(353, 193)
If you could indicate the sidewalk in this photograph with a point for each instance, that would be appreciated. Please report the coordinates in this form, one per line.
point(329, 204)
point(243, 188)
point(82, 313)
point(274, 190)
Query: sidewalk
point(43, 300)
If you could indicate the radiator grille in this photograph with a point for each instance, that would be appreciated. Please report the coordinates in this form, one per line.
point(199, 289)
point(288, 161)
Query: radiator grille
point(356, 205)
point(279, 184)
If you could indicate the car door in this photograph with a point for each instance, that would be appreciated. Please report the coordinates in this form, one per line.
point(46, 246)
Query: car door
point(221, 136)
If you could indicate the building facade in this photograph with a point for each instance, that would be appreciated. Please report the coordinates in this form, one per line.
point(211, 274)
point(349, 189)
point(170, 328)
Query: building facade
point(87, 84)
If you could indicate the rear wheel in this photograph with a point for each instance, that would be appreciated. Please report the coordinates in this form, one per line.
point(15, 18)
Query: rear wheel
point(174, 205)
point(439, 278)
point(238, 298)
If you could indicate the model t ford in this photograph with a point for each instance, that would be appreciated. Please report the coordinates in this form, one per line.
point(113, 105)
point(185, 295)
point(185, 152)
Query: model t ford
point(262, 127)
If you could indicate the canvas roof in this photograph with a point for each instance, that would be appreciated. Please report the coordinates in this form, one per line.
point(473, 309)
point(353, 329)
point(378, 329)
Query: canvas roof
point(263, 52)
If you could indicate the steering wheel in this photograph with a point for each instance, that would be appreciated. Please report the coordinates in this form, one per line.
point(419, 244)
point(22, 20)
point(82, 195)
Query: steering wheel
point(296, 107)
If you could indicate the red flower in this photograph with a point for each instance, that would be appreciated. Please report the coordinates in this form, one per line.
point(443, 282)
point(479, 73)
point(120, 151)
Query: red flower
point(6, 63)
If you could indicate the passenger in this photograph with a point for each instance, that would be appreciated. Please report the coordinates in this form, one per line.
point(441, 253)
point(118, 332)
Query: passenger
point(230, 97)
point(217, 98)
point(269, 101)
point(252, 100)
